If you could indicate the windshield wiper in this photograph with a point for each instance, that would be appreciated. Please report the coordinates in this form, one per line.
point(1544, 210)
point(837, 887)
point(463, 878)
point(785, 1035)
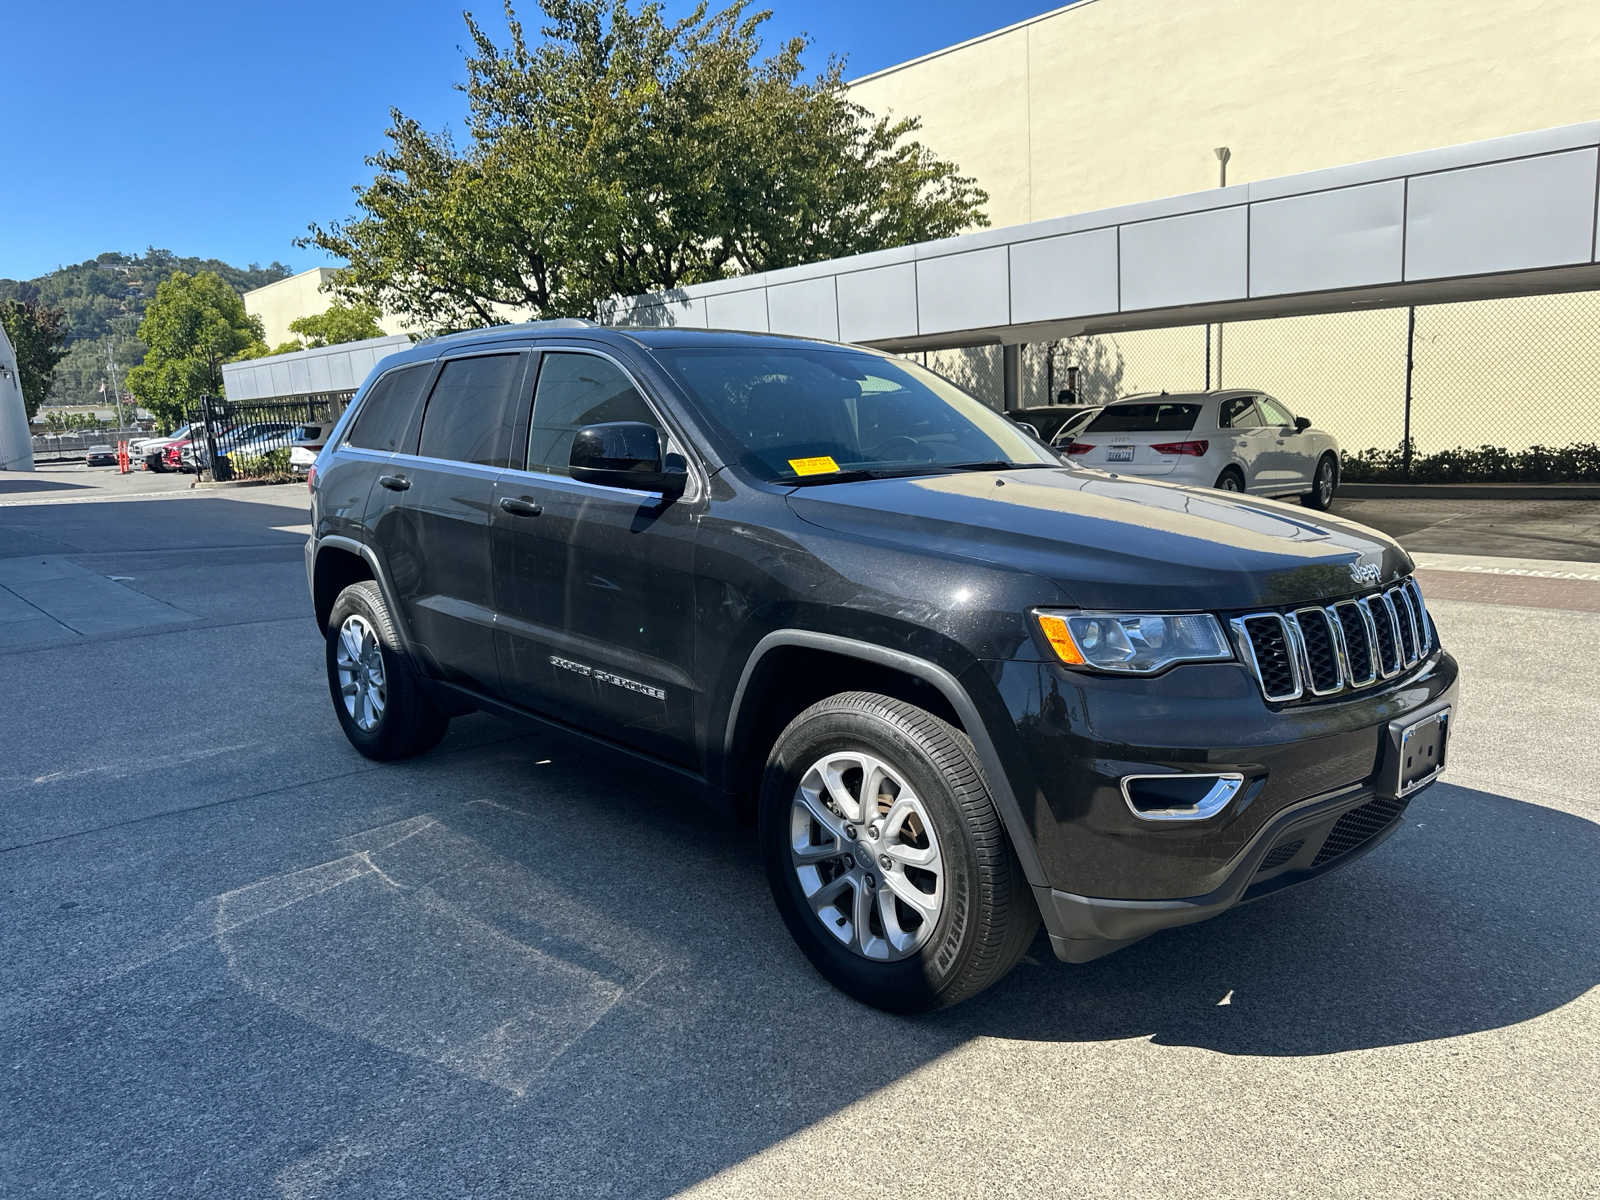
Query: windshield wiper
point(859, 473)
point(998, 464)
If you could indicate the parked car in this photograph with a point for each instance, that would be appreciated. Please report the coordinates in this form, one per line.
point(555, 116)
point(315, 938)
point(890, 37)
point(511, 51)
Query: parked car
point(306, 443)
point(259, 436)
point(1239, 440)
point(152, 451)
point(1046, 420)
point(961, 686)
point(101, 456)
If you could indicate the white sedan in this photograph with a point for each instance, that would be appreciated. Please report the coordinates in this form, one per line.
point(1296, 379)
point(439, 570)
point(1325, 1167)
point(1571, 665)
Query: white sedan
point(1238, 440)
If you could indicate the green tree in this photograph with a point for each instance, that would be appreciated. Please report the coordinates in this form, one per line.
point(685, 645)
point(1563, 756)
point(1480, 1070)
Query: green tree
point(340, 323)
point(194, 325)
point(622, 154)
point(38, 334)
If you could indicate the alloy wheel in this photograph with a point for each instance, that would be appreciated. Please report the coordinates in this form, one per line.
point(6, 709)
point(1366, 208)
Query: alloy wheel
point(1325, 482)
point(866, 856)
point(359, 659)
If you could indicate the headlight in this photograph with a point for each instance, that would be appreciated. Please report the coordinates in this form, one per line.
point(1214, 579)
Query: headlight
point(1133, 643)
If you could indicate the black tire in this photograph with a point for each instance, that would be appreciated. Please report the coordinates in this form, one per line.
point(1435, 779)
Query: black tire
point(1231, 480)
point(988, 918)
point(410, 723)
point(1320, 497)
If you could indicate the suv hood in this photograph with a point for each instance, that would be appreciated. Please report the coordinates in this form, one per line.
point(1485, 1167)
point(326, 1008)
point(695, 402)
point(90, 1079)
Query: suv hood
point(1113, 542)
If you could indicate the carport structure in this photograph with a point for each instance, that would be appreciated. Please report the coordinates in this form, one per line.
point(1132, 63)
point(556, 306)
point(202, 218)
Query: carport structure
point(1509, 216)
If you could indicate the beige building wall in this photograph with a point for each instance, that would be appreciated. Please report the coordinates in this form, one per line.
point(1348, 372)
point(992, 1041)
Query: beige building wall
point(1115, 101)
point(299, 296)
point(1109, 102)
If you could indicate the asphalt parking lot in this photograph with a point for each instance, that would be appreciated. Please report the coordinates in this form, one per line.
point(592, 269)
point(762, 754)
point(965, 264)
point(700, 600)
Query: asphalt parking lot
point(237, 959)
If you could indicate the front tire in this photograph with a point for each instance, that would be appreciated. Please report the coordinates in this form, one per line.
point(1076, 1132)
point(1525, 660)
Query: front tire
point(886, 856)
point(381, 702)
point(1323, 484)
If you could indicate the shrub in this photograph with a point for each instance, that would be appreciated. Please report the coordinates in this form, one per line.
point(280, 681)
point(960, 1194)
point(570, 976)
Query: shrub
point(272, 466)
point(1577, 463)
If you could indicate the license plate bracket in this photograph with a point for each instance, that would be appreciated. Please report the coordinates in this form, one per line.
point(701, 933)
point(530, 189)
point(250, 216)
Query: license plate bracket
point(1119, 454)
point(1419, 751)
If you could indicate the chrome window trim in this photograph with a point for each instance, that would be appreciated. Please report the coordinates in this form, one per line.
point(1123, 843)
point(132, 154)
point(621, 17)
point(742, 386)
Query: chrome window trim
point(1247, 651)
point(1227, 786)
point(1305, 655)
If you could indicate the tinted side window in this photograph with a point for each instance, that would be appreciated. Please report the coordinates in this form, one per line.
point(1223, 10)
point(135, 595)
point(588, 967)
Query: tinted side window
point(472, 412)
point(387, 411)
point(1238, 413)
point(1275, 413)
point(577, 390)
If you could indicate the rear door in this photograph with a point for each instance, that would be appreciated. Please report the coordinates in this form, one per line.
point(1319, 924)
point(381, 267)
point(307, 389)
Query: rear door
point(595, 584)
point(348, 498)
point(1239, 421)
point(441, 567)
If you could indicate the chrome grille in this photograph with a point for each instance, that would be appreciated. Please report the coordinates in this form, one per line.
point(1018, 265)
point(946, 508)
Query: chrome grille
point(1324, 651)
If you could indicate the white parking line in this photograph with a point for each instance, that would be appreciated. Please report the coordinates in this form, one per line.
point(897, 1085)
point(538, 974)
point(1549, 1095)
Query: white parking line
point(1531, 568)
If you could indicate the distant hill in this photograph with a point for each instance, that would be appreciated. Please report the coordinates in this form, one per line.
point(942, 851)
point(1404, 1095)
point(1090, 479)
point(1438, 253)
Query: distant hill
point(105, 300)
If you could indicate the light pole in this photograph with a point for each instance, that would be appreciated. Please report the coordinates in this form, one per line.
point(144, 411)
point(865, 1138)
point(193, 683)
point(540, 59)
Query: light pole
point(1223, 155)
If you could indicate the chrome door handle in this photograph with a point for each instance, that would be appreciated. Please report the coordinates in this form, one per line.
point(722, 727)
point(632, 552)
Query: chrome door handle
point(395, 483)
point(520, 506)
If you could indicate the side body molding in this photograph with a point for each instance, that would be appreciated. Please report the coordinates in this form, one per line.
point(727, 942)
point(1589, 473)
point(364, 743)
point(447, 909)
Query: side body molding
point(1005, 800)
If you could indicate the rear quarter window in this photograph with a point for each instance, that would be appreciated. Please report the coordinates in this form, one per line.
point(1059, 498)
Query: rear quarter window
point(1155, 417)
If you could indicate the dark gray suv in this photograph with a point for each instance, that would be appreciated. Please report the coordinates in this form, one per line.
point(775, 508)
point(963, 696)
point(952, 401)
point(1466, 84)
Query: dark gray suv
point(961, 687)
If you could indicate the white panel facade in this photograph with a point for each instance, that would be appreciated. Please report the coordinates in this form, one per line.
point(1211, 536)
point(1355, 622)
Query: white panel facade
point(805, 309)
point(1074, 275)
point(1349, 237)
point(964, 291)
point(1510, 216)
point(1195, 259)
point(738, 310)
point(878, 304)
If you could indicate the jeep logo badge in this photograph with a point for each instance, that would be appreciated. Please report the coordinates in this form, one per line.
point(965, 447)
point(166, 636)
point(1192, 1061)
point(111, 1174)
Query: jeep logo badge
point(1365, 573)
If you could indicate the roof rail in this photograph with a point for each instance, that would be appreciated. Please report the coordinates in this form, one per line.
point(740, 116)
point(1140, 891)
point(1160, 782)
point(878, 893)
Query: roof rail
point(502, 330)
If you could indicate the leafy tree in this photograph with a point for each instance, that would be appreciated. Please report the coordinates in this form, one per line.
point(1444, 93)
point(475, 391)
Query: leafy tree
point(624, 154)
point(340, 323)
point(38, 334)
point(195, 324)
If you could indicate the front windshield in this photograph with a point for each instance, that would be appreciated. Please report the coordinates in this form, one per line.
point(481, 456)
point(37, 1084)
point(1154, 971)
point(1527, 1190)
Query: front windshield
point(808, 414)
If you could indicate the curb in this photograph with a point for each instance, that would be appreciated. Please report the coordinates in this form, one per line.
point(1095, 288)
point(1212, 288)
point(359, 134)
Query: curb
point(212, 485)
point(1470, 491)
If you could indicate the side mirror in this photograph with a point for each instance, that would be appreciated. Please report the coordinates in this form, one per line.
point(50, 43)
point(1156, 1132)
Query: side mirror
point(626, 454)
point(1301, 424)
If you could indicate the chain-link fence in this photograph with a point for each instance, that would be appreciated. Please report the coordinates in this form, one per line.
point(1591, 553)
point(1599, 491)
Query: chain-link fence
point(1477, 390)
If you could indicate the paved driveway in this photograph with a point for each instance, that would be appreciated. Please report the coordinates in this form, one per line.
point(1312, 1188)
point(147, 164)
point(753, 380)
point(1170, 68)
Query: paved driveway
point(237, 959)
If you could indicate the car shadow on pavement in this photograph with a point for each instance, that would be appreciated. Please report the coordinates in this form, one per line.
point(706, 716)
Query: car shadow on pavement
point(590, 945)
point(17, 484)
point(1477, 914)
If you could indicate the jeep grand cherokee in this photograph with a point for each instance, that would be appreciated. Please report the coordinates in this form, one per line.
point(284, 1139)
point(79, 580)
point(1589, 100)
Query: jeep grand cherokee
point(961, 687)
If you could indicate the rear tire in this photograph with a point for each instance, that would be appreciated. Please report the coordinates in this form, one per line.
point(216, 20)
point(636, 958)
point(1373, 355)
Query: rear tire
point(970, 915)
point(1323, 484)
point(380, 700)
point(1231, 480)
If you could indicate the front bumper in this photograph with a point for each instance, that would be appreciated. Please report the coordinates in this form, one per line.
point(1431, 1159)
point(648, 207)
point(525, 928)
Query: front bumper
point(1317, 790)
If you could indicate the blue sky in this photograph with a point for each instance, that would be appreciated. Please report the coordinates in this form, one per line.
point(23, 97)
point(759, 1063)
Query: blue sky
point(220, 130)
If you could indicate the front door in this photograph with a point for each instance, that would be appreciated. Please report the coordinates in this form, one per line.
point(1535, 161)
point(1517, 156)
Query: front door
point(447, 587)
point(595, 584)
point(1288, 463)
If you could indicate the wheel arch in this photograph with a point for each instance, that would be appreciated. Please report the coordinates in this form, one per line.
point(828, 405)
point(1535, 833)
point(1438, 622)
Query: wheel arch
point(341, 561)
point(747, 733)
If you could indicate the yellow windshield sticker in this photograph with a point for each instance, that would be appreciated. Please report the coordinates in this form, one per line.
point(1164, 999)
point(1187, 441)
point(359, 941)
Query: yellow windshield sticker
point(813, 466)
